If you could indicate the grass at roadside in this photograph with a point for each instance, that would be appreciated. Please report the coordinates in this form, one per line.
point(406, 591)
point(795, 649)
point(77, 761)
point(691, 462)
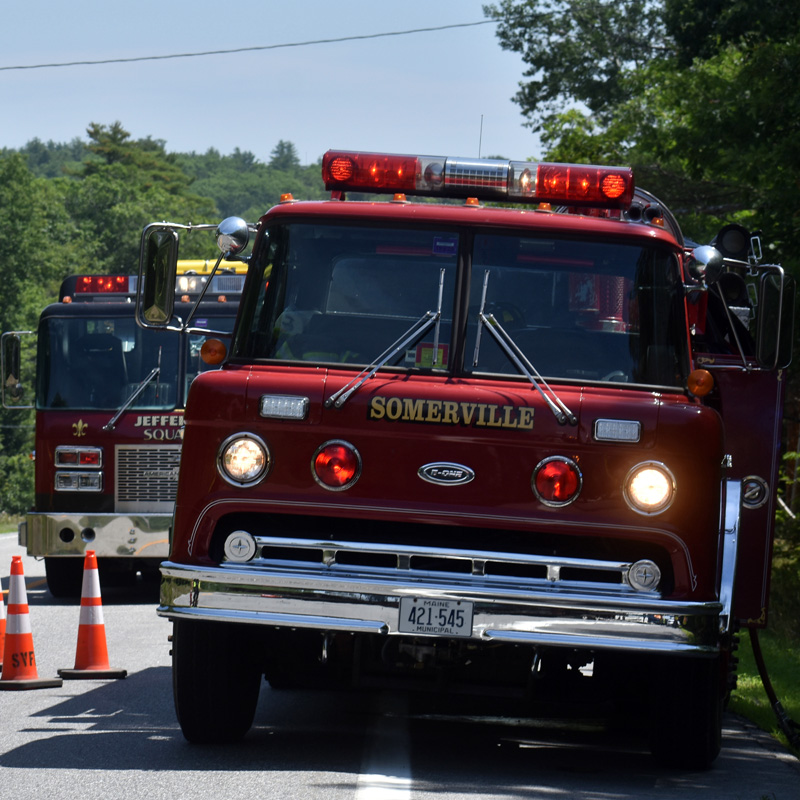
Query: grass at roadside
point(782, 659)
point(780, 643)
point(8, 523)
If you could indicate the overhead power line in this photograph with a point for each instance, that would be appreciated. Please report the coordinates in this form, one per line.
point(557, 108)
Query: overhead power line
point(248, 49)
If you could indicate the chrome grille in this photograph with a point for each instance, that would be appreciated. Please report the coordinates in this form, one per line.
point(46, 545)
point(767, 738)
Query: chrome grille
point(396, 562)
point(146, 478)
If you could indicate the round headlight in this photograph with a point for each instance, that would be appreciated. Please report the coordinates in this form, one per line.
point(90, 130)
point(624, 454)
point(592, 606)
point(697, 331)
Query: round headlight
point(243, 459)
point(649, 488)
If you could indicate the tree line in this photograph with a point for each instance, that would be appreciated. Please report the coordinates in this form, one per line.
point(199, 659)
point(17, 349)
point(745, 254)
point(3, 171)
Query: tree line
point(700, 97)
point(80, 207)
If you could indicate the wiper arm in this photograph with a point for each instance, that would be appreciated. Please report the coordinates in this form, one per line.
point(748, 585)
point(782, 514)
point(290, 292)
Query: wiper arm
point(428, 320)
point(110, 425)
point(512, 350)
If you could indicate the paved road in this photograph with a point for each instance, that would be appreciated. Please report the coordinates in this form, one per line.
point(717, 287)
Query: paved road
point(108, 740)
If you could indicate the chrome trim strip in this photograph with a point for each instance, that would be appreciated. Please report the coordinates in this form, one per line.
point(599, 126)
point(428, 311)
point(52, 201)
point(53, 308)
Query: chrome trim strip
point(404, 553)
point(730, 545)
point(351, 600)
point(114, 535)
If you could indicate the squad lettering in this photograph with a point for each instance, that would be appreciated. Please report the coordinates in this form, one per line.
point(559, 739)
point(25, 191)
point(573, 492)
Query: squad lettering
point(160, 427)
point(449, 412)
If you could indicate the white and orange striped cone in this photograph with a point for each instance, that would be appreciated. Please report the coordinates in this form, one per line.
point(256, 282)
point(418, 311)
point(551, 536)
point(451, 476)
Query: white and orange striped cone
point(19, 661)
point(91, 655)
point(2, 628)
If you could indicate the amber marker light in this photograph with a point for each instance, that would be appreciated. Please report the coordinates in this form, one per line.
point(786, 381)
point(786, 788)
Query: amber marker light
point(213, 352)
point(701, 382)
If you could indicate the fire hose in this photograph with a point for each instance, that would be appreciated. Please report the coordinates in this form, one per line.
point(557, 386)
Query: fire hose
point(787, 725)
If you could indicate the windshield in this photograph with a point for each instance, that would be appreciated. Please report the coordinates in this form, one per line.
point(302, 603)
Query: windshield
point(344, 294)
point(577, 310)
point(99, 363)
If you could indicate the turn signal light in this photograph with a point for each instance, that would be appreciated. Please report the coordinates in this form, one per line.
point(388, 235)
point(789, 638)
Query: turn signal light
point(213, 352)
point(336, 465)
point(556, 481)
point(700, 382)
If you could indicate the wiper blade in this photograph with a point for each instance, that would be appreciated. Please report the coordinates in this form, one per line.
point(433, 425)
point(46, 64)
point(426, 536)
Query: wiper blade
point(513, 352)
point(111, 424)
point(425, 323)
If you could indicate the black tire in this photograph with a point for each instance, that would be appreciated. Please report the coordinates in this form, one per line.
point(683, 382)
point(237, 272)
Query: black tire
point(64, 576)
point(686, 727)
point(216, 678)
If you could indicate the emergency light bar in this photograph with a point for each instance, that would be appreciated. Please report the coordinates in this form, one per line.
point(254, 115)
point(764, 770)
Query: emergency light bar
point(102, 284)
point(488, 179)
point(119, 288)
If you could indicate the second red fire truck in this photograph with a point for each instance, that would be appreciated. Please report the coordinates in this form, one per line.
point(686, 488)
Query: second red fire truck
point(524, 440)
point(109, 400)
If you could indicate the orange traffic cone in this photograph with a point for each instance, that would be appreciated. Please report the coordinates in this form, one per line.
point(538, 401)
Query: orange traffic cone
point(2, 628)
point(91, 656)
point(19, 661)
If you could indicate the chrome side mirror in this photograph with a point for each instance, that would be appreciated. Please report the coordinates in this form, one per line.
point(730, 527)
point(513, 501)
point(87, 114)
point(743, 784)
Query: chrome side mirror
point(705, 264)
point(233, 234)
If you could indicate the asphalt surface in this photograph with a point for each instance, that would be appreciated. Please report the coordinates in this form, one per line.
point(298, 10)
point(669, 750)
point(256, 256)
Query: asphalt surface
point(114, 739)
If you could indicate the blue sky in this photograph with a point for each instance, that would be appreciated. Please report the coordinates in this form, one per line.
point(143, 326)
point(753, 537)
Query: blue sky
point(437, 93)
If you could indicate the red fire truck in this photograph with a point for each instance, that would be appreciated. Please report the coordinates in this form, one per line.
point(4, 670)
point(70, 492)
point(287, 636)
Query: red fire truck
point(523, 440)
point(109, 422)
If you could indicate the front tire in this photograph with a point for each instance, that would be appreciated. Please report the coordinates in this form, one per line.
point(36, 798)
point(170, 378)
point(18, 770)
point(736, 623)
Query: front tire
point(216, 676)
point(64, 575)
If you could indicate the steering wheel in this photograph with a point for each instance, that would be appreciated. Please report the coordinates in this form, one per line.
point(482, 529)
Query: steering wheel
point(507, 314)
point(617, 375)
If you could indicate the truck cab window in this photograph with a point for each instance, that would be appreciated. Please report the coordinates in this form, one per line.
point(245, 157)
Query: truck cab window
point(578, 310)
point(344, 294)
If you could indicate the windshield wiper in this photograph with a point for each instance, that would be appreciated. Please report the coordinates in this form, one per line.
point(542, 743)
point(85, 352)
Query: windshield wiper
point(428, 320)
point(519, 360)
point(110, 425)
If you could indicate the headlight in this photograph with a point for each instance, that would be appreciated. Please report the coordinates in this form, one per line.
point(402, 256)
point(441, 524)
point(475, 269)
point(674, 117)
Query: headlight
point(649, 488)
point(243, 459)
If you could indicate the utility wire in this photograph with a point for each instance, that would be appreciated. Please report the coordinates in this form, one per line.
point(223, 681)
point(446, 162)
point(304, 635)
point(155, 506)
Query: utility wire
point(248, 49)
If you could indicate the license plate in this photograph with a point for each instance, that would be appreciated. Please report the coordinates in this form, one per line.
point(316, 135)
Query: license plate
point(420, 615)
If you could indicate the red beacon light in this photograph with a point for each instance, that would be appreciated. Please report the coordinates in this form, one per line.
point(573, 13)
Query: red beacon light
point(101, 284)
point(487, 179)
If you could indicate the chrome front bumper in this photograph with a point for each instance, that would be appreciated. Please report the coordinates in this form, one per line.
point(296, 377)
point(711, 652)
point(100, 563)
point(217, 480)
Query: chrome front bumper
point(109, 535)
point(356, 601)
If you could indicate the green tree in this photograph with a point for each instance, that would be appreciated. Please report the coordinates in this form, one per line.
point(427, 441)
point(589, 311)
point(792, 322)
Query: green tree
point(241, 185)
point(578, 51)
point(36, 252)
point(284, 157)
point(123, 185)
point(700, 97)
